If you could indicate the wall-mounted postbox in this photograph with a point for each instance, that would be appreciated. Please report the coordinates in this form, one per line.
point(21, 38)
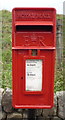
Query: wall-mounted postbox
point(33, 57)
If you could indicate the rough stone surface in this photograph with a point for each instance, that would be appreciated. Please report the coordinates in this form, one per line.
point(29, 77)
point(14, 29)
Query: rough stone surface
point(61, 104)
point(1, 114)
point(15, 116)
point(7, 100)
point(43, 118)
point(56, 118)
point(38, 112)
point(7, 112)
point(25, 113)
point(4, 116)
point(53, 111)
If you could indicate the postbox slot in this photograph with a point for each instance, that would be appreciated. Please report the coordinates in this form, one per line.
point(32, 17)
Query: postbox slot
point(40, 28)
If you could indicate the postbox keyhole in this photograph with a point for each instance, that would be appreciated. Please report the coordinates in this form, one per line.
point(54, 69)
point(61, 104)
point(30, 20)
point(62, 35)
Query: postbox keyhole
point(34, 52)
point(21, 77)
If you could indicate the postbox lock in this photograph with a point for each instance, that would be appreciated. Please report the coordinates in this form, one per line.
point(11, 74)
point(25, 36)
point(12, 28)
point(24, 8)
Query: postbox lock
point(34, 52)
point(21, 77)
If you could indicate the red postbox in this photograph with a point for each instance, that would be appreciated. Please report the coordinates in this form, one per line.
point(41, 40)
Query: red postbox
point(33, 57)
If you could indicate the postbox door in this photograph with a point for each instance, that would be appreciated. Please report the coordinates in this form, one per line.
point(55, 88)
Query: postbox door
point(32, 95)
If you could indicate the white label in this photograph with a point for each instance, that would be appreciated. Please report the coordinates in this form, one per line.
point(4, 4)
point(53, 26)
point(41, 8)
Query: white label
point(33, 75)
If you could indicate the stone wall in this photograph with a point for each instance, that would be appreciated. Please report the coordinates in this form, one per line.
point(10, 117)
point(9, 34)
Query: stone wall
point(7, 112)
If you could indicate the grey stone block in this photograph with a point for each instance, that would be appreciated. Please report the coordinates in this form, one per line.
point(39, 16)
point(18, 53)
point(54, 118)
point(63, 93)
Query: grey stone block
point(40, 118)
point(1, 114)
point(43, 118)
point(4, 116)
point(7, 100)
point(52, 111)
point(56, 118)
point(14, 116)
point(25, 115)
point(61, 104)
point(38, 112)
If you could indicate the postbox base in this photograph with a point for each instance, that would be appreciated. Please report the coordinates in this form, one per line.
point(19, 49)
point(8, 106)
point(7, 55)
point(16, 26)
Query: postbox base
point(32, 107)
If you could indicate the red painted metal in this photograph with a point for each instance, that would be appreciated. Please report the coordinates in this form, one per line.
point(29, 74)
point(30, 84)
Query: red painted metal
point(34, 23)
point(33, 29)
